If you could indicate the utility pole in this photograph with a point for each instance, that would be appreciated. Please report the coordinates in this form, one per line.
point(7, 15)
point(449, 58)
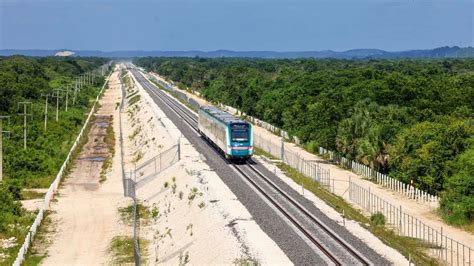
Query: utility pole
point(75, 93)
point(24, 114)
point(45, 110)
point(67, 95)
point(57, 96)
point(1, 143)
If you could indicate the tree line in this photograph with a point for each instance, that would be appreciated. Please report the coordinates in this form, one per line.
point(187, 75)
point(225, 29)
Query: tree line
point(411, 119)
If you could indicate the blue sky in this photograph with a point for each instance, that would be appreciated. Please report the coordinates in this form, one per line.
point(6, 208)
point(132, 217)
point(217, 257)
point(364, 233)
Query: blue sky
point(278, 25)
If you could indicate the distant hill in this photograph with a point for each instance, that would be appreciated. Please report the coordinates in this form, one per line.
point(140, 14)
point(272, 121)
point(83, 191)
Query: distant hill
point(441, 52)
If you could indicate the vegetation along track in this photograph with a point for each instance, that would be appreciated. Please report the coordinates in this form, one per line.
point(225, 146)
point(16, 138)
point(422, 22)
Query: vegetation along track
point(337, 250)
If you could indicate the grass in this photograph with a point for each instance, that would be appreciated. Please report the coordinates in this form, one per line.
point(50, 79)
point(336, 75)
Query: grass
point(245, 261)
point(126, 214)
point(18, 231)
point(132, 94)
point(122, 250)
point(128, 82)
point(110, 141)
point(37, 251)
point(258, 151)
point(134, 99)
point(414, 248)
point(457, 221)
point(138, 157)
point(135, 133)
point(31, 194)
point(468, 227)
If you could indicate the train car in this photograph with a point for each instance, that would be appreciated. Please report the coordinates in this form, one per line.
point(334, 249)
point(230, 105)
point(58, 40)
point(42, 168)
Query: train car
point(231, 135)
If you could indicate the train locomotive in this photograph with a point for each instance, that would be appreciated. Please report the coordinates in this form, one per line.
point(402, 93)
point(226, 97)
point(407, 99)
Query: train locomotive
point(231, 135)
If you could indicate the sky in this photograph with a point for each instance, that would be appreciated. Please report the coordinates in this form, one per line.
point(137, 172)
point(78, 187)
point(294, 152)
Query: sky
point(241, 25)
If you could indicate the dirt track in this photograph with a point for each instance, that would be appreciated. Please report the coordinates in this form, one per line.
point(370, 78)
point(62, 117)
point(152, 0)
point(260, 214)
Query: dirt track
point(85, 215)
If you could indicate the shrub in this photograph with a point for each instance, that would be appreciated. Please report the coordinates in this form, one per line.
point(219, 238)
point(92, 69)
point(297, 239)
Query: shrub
point(377, 219)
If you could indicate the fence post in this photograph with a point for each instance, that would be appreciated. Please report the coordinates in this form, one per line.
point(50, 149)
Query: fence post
point(179, 149)
point(369, 201)
point(350, 188)
point(282, 151)
point(441, 249)
point(400, 220)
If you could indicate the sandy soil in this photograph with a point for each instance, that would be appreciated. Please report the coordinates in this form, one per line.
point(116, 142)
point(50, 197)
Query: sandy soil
point(422, 211)
point(197, 217)
point(85, 214)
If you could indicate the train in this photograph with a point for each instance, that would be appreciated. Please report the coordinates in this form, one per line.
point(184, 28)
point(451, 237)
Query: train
point(233, 136)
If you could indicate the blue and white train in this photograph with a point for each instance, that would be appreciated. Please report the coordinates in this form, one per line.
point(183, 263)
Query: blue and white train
point(233, 136)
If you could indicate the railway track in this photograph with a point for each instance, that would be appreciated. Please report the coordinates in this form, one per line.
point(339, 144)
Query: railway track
point(305, 222)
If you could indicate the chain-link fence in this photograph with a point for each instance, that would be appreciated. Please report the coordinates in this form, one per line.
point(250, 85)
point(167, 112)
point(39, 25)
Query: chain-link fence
point(441, 246)
point(140, 176)
point(145, 172)
point(308, 168)
point(177, 92)
point(136, 231)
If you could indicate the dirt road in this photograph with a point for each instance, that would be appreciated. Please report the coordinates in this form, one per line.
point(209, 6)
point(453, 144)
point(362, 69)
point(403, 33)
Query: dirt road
point(85, 215)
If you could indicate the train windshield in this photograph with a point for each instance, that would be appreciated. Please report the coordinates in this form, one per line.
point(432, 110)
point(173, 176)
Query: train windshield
point(239, 132)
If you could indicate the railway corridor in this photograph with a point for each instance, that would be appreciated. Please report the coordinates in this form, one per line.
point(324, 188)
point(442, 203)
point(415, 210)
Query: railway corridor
point(290, 238)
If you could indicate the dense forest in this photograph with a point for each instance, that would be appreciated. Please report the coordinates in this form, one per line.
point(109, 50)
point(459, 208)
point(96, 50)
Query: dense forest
point(412, 119)
point(27, 79)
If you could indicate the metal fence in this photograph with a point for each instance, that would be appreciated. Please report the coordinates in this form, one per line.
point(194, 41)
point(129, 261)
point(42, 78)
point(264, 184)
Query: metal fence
point(276, 130)
point(177, 92)
point(439, 245)
point(129, 185)
point(122, 156)
point(54, 186)
point(145, 172)
point(135, 180)
point(408, 190)
point(136, 231)
point(308, 168)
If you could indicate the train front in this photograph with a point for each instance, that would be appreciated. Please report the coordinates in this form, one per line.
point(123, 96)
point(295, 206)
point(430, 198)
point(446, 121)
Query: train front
point(241, 140)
